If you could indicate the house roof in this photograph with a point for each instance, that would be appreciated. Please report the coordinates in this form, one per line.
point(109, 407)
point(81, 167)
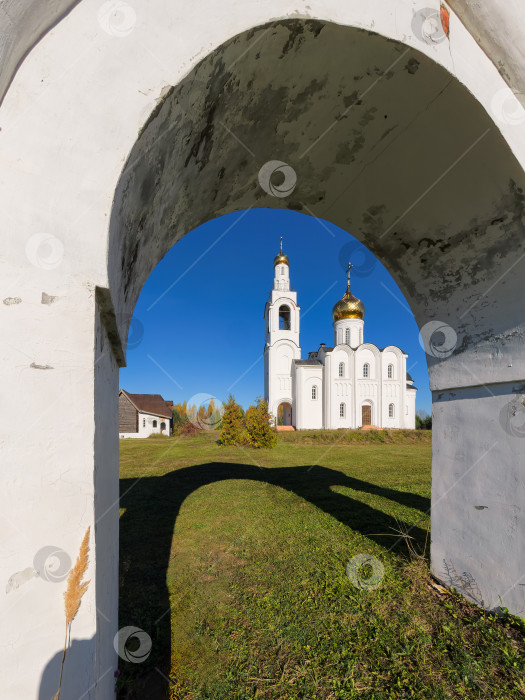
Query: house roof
point(149, 403)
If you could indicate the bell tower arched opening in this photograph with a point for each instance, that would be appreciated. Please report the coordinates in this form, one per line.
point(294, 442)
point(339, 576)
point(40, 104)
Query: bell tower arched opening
point(285, 321)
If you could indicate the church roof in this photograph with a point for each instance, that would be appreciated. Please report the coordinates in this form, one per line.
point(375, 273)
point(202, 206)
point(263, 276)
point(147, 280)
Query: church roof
point(307, 362)
point(409, 378)
point(149, 403)
point(388, 346)
point(411, 386)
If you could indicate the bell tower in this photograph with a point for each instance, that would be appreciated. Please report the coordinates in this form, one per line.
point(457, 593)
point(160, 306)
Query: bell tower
point(281, 323)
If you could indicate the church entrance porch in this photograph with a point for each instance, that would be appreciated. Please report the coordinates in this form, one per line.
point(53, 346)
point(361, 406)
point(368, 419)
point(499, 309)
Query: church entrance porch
point(284, 416)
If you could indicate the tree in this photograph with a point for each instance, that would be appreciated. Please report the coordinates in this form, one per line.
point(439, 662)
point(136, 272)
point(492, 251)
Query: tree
point(423, 420)
point(210, 416)
point(232, 423)
point(181, 409)
point(178, 418)
point(259, 425)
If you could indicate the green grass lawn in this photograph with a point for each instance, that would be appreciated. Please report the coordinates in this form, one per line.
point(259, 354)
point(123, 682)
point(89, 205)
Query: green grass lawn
point(234, 562)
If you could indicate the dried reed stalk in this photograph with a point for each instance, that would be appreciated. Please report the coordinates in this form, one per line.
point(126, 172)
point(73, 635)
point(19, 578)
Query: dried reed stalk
point(73, 596)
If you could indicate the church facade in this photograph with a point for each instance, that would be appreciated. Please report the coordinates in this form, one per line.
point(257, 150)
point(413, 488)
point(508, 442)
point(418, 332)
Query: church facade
point(349, 385)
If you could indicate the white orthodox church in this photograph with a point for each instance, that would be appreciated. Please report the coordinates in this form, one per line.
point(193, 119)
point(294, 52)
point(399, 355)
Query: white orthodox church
point(349, 385)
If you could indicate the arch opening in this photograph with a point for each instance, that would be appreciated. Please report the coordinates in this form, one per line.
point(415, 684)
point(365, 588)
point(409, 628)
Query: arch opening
point(284, 318)
point(284, 414)
point(376, 147)
point(380, 152)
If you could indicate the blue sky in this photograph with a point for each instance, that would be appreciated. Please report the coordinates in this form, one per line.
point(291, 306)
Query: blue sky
point(206, 334)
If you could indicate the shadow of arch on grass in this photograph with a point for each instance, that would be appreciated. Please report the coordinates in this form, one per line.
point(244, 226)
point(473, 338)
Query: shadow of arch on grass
point(152, 505)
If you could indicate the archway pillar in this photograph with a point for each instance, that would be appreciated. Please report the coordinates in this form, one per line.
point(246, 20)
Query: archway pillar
point(477, 493)
point(58, 373)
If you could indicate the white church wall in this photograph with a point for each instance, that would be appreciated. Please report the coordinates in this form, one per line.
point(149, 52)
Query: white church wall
point(410, 409)
point(348, 331)
point(342, 354)
point(281, 358)
point(392, 388)
point(393, 421)
point(364, 355)
point(343, 392)
point(310, 410)
point(341, 388)
point(388, 357)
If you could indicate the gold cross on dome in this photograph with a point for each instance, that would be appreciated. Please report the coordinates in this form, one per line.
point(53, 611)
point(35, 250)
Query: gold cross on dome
point(350, 266)
point(281, 244)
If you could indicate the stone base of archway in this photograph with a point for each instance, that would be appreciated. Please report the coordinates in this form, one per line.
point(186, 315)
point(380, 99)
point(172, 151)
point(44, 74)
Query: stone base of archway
point(285, 427)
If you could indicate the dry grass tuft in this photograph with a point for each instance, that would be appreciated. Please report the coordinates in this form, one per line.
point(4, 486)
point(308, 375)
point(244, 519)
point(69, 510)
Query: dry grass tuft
point(75, 586)
point(73, 596)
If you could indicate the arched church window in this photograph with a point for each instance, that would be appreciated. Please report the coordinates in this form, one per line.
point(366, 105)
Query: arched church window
point(390, 371)
point(366, 370)
point(342, 408)
point(341, 369)
point(347, 336)
point(391, 410)
point(282, 269)
point(314, 392)
point(284, 318)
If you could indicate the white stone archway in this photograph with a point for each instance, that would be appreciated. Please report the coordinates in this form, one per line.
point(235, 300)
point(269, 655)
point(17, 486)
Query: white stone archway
point(117, 140)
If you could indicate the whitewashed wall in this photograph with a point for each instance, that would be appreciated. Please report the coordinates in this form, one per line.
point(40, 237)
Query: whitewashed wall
point(309, 411)
point(146, 427)
point(410, 414)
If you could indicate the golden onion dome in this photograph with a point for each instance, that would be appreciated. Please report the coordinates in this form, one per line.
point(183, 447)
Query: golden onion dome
point(349, 306)
point(281, 259)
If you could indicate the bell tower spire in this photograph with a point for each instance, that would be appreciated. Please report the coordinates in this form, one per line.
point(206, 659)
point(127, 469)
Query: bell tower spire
point(281, 266)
